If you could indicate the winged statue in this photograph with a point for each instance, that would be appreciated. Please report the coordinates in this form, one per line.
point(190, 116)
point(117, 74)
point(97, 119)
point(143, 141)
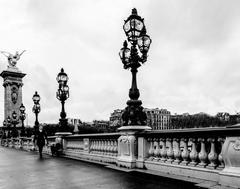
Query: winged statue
point(12, 58)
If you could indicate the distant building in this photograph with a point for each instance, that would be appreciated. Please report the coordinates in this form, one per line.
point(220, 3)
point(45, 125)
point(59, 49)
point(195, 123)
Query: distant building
point(101, 124)
point(116, 118)
point(158, 119)
point(74, 121)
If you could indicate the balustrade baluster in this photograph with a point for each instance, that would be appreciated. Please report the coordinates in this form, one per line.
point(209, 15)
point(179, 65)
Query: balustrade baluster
point(91, 146)
point(108, 147)
point(170, 151)
point(220, 158)
point(203, 154)
point(212, 156)
point(163, 151)
point(193, 154)
point(95, 147)
point(111, 148)
point(156, 149)
point(177, 151)
point(102, 147)
point(98, 147)
point(105, 147)
point(115, 147)
point(185, 152)
point(151, 149)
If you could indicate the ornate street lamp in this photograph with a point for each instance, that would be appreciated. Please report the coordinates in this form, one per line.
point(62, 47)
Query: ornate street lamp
point(14, 121)
point(132, 58)
point(4, 127)
point(62, 95)
point(36, 108)
point(22, 118)
point(8, 124)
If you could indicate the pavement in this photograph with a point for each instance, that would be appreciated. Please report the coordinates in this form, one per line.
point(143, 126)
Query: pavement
point(25, 170)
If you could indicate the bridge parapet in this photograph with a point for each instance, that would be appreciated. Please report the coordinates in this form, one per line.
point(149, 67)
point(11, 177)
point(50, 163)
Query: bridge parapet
point(93, 147)
point(210, 154)
point(197, 153)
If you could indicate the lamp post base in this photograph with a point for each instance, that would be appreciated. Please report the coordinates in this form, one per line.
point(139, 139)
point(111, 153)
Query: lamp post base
point(63, 125)
point(134, 114)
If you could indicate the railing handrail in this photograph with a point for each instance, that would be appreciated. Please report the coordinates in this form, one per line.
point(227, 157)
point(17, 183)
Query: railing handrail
point(93, 135)
point(224, 131)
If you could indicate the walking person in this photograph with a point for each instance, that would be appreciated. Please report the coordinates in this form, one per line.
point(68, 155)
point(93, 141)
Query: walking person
point(39, 138)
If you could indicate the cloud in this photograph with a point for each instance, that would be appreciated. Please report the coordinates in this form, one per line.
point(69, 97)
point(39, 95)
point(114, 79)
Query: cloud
point(192, 66)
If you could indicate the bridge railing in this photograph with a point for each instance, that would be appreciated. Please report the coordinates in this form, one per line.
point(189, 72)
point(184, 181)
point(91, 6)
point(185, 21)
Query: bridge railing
point(192, 147)
point(94, 147)
point(211, 154)
point(206, 153)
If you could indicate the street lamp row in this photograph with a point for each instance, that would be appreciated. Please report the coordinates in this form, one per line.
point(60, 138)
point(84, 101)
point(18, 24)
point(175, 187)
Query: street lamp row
point(132, 58)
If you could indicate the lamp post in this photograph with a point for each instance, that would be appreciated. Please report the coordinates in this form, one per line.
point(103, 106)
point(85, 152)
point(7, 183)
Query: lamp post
point(15, 121)
point(132, 58)
point(62, 95)
point(22, 118)
point(36, 108)
point(4, 128)
point(8, 122)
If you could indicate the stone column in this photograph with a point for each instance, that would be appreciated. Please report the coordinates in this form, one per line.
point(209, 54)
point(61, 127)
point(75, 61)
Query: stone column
point(230, 175)
point(12, 82)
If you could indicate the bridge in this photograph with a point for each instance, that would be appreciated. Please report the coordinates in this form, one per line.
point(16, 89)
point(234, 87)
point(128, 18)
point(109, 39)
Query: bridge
point(24, 170)
point(204, 157)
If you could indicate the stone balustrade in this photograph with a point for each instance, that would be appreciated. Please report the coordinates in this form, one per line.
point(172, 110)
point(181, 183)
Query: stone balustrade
point(199, 151)
point(94, 147)
point(26, 143)
point(210, 154)
point(19, 143)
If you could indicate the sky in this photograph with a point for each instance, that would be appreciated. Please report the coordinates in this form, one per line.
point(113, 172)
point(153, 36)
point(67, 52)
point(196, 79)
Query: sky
point(193, 63)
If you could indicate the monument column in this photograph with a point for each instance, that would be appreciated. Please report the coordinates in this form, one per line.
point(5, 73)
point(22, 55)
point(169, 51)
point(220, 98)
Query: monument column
point(12, 82)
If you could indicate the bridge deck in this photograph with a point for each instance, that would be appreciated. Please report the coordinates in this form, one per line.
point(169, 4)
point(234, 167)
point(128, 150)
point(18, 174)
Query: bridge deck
point(24, 170)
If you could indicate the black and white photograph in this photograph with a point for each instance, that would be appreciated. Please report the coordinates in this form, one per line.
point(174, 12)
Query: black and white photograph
point(119, 94)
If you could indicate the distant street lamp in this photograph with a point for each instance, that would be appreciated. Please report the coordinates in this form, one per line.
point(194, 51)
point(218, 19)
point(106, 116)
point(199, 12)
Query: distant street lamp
point(36, 108)
point(62, 95)
point(4, 127)
point(14, 121)
point(8, 122)
point(22, 118)
point(135, 31)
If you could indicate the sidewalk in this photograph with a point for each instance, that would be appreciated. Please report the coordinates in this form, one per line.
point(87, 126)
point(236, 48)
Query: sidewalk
point(24, 170)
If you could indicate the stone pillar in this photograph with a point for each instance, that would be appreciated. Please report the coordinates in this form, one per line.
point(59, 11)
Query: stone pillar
point(127, 146)
point(12, 82)
point(230, 175)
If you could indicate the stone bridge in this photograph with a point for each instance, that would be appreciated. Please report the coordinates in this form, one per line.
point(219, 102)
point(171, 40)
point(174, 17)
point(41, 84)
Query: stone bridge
point(208, 158)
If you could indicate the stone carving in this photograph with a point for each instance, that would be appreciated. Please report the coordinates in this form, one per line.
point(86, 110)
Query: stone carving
point(125, 146)
point(14, 94)
point(236, 145)
point(12, 59)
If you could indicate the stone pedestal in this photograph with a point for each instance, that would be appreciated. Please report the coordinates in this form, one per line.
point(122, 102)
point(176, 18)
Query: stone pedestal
point(127, 145)
point(230, 175)
point(12, 82)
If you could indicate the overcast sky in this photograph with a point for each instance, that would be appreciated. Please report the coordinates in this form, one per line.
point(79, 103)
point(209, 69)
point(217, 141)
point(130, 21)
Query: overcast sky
point(193, 64)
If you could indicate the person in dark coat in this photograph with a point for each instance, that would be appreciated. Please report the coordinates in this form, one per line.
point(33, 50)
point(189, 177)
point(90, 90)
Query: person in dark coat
point(39, 138)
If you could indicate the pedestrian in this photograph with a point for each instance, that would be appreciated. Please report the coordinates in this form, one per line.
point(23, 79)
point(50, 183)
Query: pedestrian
point(39, 138)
